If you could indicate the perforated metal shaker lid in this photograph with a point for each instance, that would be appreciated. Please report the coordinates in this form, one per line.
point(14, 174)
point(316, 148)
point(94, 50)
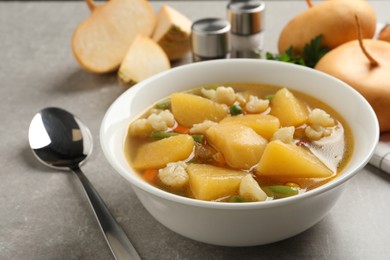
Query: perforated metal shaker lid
point(210, 37)
point(246, 17)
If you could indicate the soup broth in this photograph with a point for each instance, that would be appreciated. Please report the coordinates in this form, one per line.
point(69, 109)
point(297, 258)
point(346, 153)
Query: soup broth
point(238, 142)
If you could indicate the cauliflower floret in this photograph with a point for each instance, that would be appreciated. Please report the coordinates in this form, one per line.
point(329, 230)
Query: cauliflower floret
point(240, 98)
point(319, 124)
point(161, 121)
point(317, 132)
point(141, 128)
point(250, 190)
point(225, 95)
point(320, 117)
point(201, 128)
point(167, 117)
point(256, 105)
point(222, 95)
point(155, 111)
point(157, 123)
point(174, 175)
point(284, 134)
point(312, 133)
point(208, 93)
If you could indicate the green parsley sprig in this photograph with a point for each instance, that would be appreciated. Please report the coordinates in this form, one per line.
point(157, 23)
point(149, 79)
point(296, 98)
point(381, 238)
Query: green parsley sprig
point(287, 56)
point(312, 53)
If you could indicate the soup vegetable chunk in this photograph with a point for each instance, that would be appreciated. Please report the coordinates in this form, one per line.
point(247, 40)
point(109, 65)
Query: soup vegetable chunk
point(238, 142)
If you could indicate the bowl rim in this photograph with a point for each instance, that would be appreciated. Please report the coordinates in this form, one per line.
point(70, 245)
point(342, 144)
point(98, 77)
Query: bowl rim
point(141, 184)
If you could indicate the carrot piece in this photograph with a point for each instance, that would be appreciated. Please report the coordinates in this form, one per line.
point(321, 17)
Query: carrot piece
point(150, 175)
point(181, 129)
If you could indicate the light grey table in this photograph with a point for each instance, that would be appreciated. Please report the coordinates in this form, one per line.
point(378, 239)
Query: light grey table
point(44, 214)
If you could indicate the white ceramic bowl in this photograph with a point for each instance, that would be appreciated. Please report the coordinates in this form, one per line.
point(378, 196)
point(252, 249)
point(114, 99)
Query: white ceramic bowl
point(240, 224)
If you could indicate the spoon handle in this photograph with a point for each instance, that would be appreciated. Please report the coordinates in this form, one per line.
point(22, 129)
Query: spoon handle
point(116, 238)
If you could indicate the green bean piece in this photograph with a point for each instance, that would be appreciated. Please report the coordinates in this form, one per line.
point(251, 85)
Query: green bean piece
point(198, 138)
point(269, 97)
point(236, 199)
point(281, 191)
point(161, 135)
point(235, 109)
point(164, 105)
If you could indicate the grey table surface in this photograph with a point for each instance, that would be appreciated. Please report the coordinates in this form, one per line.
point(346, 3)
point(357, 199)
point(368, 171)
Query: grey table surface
point(44, 213)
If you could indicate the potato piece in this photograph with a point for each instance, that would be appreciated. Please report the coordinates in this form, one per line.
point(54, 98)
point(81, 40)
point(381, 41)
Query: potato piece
point(172, 32)
point(290, 110)
point(190, 109)
point(157, 154)
point(143, 59)
point(264, 125)
point(280, 159)
point(240, 145)
point(209, 182)
point(100, 43)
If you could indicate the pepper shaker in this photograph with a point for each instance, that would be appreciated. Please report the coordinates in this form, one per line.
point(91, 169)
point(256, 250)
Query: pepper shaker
point(247, 28)
point(210, 39)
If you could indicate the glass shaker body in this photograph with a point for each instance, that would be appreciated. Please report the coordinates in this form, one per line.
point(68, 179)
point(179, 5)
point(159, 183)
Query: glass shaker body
point(247, 28)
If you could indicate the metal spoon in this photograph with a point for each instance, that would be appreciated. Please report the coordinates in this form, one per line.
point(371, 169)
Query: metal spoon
point(61, 141)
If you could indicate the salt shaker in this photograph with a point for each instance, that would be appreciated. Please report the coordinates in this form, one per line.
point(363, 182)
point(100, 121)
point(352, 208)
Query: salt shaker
point(210, 39)
point(247, 28)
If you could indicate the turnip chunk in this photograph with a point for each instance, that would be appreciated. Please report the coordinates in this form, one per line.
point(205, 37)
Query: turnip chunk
point(143, 59)
point(172, 32)
point(100, 43)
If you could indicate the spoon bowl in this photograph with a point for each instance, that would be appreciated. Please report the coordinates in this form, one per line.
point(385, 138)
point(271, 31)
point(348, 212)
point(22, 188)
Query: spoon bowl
point(61, 141)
